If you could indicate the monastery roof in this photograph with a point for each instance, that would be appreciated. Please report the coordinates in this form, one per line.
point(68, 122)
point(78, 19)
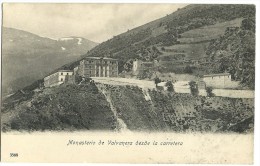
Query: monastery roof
point(147, 62)
point(57, 72)
point(106, 58)
point(64, 71)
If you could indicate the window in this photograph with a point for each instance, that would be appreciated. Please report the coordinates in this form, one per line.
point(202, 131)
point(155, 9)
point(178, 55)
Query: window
point(61, 79)
point(67, 73)
point(90, 67)
point(61, 73)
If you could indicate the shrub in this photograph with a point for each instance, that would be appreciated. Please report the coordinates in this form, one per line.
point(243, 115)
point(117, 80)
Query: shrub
point(88, 79)
point(188, 69)
point(146, 73)
point(194, 88)
point(169, 86)
point(157, 80)
point(209, 92)
point(78, 78)
point(163, 49)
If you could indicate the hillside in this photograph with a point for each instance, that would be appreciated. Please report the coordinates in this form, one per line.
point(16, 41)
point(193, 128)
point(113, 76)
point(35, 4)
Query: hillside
point(234, 52)
point(178, 40)
point(171, 29)
point(27, 57)
point(123, 108)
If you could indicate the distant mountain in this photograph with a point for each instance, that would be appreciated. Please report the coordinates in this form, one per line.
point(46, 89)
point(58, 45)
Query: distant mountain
point(27, 57)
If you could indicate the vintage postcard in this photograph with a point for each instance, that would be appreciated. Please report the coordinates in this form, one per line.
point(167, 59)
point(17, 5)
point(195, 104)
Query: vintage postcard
point(128, 83)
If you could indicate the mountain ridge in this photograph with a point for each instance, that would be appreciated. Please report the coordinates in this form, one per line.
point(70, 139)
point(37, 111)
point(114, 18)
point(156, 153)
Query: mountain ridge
point(43, 55)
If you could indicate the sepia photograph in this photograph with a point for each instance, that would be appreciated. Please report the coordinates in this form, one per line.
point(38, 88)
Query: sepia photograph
point(151, 82)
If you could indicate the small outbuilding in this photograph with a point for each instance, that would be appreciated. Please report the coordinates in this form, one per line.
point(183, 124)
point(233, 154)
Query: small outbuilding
point(57, 78)
point(221, 80)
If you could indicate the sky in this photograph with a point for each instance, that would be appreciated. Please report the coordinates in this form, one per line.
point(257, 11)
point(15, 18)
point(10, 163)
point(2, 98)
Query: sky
point(96, 22)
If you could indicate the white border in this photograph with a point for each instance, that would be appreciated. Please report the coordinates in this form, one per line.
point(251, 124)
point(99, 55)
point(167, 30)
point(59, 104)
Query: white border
point(257, 89)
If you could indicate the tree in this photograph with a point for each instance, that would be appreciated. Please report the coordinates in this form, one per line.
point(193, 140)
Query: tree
point(194, 88)
point(188, 69)
point(169, 86)
point(209, 92)
point(78, 78)
point(248, 24)
point(163, 49)
point(157, 81)
point(146, 73)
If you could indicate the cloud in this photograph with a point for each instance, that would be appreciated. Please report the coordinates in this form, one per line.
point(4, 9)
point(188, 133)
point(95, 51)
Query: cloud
point(97, 22)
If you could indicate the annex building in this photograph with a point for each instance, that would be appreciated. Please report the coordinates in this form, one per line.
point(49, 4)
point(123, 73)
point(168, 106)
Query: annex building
point(139, 66)
point(57, 78)
point(221, 80)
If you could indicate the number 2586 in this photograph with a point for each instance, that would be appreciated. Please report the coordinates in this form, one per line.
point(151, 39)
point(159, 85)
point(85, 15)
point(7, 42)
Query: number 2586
point(13, 154)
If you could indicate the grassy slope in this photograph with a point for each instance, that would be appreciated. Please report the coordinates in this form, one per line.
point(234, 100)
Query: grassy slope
point(207, 33)
point(62, 108)
point(194, 43)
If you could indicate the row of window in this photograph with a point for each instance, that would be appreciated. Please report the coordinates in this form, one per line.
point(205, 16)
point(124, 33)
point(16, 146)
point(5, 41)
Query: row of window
point(65, 73)
point(97, 67)
point(97, 73)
